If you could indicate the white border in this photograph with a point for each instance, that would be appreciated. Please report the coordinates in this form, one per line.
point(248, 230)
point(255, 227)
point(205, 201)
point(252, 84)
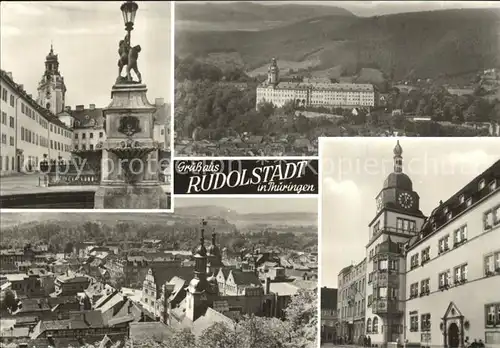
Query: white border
point(320, 235)
point(172, 100)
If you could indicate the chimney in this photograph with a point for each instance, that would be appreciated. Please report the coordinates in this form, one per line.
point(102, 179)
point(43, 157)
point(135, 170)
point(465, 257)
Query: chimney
point(91, 106)
point(159, 101)
point(9, 74)
point(67, 108)
point(267, 285)
point(21, 87)
point(79, 107)
point(30, 95)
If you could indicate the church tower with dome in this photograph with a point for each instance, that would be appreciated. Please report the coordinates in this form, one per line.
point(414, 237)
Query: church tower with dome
point(398, 218)
point(201, 291)
point(51, 88)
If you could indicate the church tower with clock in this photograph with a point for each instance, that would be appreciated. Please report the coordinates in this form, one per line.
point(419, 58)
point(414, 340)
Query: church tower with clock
point(51, 88)
point(397, 220)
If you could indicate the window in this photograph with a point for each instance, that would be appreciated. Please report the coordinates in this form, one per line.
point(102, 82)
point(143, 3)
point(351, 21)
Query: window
point(4, 118)
point(424, 287)
point(4, 138)
point(414, 322)
point(414, 261)
point(444, 279)
point(492, 314)
point(460, 274)
point(406, 225)
point(443, 244)
point(460, 236)
point(414, 290)
point(370, 277)
point(382, 265)
point(12, 100)
point(375, 325)
point(492, 263)
point(376, 228)
point(76, 135)
point(370, 300)
point(469, 202)
point(84, 147)
point(481, 185)
point(493, 185)
point(426, 255)
point(91, 135)
point(101, 134)
point(368, 325)
point(462, 198)
point(425, 323)
point(489, 218)
point(11, 141)
point(449, 216)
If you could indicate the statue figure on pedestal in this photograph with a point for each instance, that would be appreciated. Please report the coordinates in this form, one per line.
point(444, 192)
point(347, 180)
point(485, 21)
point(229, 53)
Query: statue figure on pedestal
point(128, 56)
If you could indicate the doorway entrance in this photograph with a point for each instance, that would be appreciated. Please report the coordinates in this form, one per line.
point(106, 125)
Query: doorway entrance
point(453, 336)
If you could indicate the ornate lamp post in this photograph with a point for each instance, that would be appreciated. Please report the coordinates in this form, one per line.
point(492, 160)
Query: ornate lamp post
point(129, 9)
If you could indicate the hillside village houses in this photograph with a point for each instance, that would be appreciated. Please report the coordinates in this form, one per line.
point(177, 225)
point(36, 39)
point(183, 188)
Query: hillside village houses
point(415, 284)
point(44, 127)
point(107, 291)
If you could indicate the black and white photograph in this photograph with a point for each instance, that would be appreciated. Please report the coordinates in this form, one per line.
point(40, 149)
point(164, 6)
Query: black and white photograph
point(86, 104)
point(410, 242)
point(232, 272)
point(267, 78)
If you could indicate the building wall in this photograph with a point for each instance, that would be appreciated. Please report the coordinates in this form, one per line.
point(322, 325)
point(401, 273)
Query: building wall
point(26, 134)
point(312, 96)
point(352, 285)
point(480, 244)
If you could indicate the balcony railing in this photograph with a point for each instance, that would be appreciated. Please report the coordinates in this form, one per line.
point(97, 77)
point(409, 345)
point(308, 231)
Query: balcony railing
point(386, 306)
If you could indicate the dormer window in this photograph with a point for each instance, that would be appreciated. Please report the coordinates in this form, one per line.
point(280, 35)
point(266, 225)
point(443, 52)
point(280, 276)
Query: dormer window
point(448, 216)
point(493, 185)
point(469, 202)
point(446, 210)
point(434, 226)
point(462, 198)
point(482, 183)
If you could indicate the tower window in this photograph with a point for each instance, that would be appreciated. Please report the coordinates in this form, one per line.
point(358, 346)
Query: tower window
point(47, 106)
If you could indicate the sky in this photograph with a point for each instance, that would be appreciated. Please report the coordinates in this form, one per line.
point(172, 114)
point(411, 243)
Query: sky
point(85, 35)
point(353, 171)
point(245, 205)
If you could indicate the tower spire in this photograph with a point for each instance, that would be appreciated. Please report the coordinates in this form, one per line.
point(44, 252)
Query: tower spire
point(398, 158)
point(51, 47)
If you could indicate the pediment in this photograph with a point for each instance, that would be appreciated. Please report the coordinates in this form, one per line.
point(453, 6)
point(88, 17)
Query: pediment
point(452, 311)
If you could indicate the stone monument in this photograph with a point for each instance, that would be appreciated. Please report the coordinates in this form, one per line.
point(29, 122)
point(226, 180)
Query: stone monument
point(129, 165)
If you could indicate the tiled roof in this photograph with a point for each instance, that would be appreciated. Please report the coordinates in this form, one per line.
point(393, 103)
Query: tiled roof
point(245, 278)
point(453, 205)
point(205, 321)
point(42, 111)
point(157, 330)
point(162, 274)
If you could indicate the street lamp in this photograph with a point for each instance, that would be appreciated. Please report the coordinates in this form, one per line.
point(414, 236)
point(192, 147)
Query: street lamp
point(129, 9)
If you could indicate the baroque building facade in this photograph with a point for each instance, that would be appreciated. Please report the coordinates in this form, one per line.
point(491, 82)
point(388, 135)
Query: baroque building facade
point(45, 127)
point(309, 92)
point(420, 271)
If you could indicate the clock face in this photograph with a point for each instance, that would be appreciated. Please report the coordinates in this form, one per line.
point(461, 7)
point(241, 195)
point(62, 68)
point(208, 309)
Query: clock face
point(405, 200)
point(379, 203)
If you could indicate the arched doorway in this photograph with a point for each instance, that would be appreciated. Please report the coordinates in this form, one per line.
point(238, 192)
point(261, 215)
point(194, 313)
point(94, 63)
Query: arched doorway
point(453, 336)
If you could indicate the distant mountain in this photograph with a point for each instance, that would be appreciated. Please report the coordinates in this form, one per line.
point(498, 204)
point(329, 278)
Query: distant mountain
point(422, 44)
point(246, 15)
point(234, 217)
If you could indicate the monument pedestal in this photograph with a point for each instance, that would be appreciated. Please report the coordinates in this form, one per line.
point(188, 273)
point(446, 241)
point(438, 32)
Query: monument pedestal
point(131, 197)
point(130, 155)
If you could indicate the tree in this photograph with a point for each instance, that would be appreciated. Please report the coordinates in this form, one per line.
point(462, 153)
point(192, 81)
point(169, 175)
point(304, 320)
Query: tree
point(68, 249)
point(10, 301)
point(220, 335)
point(303, 317)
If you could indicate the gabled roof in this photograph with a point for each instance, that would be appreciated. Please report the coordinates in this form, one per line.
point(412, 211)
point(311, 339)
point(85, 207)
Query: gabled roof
point(245, 278)
point(205, 321)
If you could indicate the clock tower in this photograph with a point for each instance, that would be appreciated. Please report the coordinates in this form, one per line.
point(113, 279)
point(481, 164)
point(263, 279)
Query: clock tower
point(51, 88)
point(397, 193)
